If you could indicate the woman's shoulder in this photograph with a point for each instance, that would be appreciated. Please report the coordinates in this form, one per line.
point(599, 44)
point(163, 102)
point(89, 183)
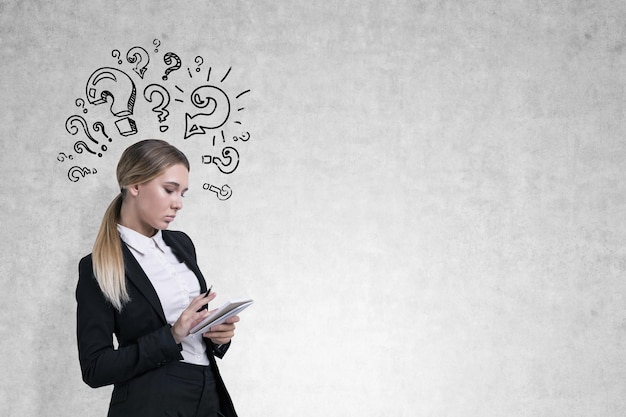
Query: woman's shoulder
point(177, 236)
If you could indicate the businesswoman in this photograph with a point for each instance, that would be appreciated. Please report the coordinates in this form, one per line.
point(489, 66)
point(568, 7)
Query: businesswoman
point(142, 284)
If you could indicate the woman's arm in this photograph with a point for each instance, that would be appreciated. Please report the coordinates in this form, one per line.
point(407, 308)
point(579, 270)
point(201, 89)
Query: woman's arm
point(101, 364)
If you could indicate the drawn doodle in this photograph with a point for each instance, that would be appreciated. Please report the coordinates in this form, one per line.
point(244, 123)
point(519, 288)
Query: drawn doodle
point(99, 126)
point(223, 193)
point(62, 156)
point(110, 82)
point(198, 61)
point(81, 146)
point(116, 54)
point(209, 110)
point(72, 129)
point(169, 59)
point(138, 56)
point(218, 105)
point(73, 172)
point(230, 163)
point(160, 108)
point(81, 103)
point(245, 136)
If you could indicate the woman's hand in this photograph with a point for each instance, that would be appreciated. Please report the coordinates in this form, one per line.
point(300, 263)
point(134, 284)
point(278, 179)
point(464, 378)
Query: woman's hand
point(191, 316)
point(222, 333)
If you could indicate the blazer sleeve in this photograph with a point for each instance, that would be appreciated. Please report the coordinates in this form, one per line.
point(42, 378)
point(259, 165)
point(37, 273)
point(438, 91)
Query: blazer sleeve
point(101, 363)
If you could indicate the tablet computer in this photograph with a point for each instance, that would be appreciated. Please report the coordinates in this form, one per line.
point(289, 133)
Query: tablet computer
point(220, 315)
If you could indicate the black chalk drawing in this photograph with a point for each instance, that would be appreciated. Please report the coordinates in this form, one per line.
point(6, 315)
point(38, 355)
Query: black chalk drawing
point(73, 173)
point(62, 157)
point(223, 193)
point(138, 56)
point(116, 54)
point(188, 108)
point(174, 63)
point(110, 82)
point(81, 103)
point(230, 163)
point(72, 129)
point(160, 108)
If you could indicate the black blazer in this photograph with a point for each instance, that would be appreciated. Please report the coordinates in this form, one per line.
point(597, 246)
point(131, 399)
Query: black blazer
point(136, 368)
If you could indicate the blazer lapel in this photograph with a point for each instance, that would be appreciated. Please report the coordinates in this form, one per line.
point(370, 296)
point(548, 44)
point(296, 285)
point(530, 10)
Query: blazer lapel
point(141, 281)
point(185, 255)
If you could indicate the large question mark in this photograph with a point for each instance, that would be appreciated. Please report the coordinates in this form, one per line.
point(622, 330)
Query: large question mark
point(226, 167)
point(110, 82)
point(218, 104)
point(223, 193)
point(169, 58)
point(159, 109)
point(138, 55)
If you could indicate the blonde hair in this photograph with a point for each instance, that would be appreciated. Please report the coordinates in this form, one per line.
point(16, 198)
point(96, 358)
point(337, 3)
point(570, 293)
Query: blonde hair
point(139, 163)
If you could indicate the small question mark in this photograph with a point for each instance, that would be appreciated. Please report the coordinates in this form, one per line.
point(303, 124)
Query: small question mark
point(116, 54)
point(73, 130)
point(156, 43)
point(81, 103)
point(98, 126)
point(223, 193)
point(226, 167)
point(61, 157)
point(245, 136)
point(73, 172)
point(169, 59)
point(199, 58)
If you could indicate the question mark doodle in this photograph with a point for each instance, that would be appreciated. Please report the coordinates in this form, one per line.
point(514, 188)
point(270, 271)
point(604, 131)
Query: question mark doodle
point(198, 58)
point(244, 137)
point(159, 109)
point(217, 102)
point(116, 54)
point(73, 130)
point(223, 193)
point(110, 82)
point(81, 103)
point(226, 167)
point(98, 126)
point(61, 157)
point(169, 58)
point(156, 43)
point(140, 56)
point(72, 174)
point(81, 146)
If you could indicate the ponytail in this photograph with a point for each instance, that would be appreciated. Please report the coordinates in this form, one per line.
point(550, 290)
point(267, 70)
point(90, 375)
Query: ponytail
point(139, 163)
point(108, 261)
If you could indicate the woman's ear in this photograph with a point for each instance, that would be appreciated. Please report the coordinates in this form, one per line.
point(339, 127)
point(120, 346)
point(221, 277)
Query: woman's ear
point(133, 189)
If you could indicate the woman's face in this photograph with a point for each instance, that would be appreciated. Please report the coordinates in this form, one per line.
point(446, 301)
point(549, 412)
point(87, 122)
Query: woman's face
point(158, 200)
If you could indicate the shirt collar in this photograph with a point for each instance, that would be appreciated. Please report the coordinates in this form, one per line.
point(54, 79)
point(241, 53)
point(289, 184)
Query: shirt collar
point(140, 242)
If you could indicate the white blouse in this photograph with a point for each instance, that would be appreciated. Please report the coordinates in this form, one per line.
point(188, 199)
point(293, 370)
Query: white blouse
point(175, 284)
